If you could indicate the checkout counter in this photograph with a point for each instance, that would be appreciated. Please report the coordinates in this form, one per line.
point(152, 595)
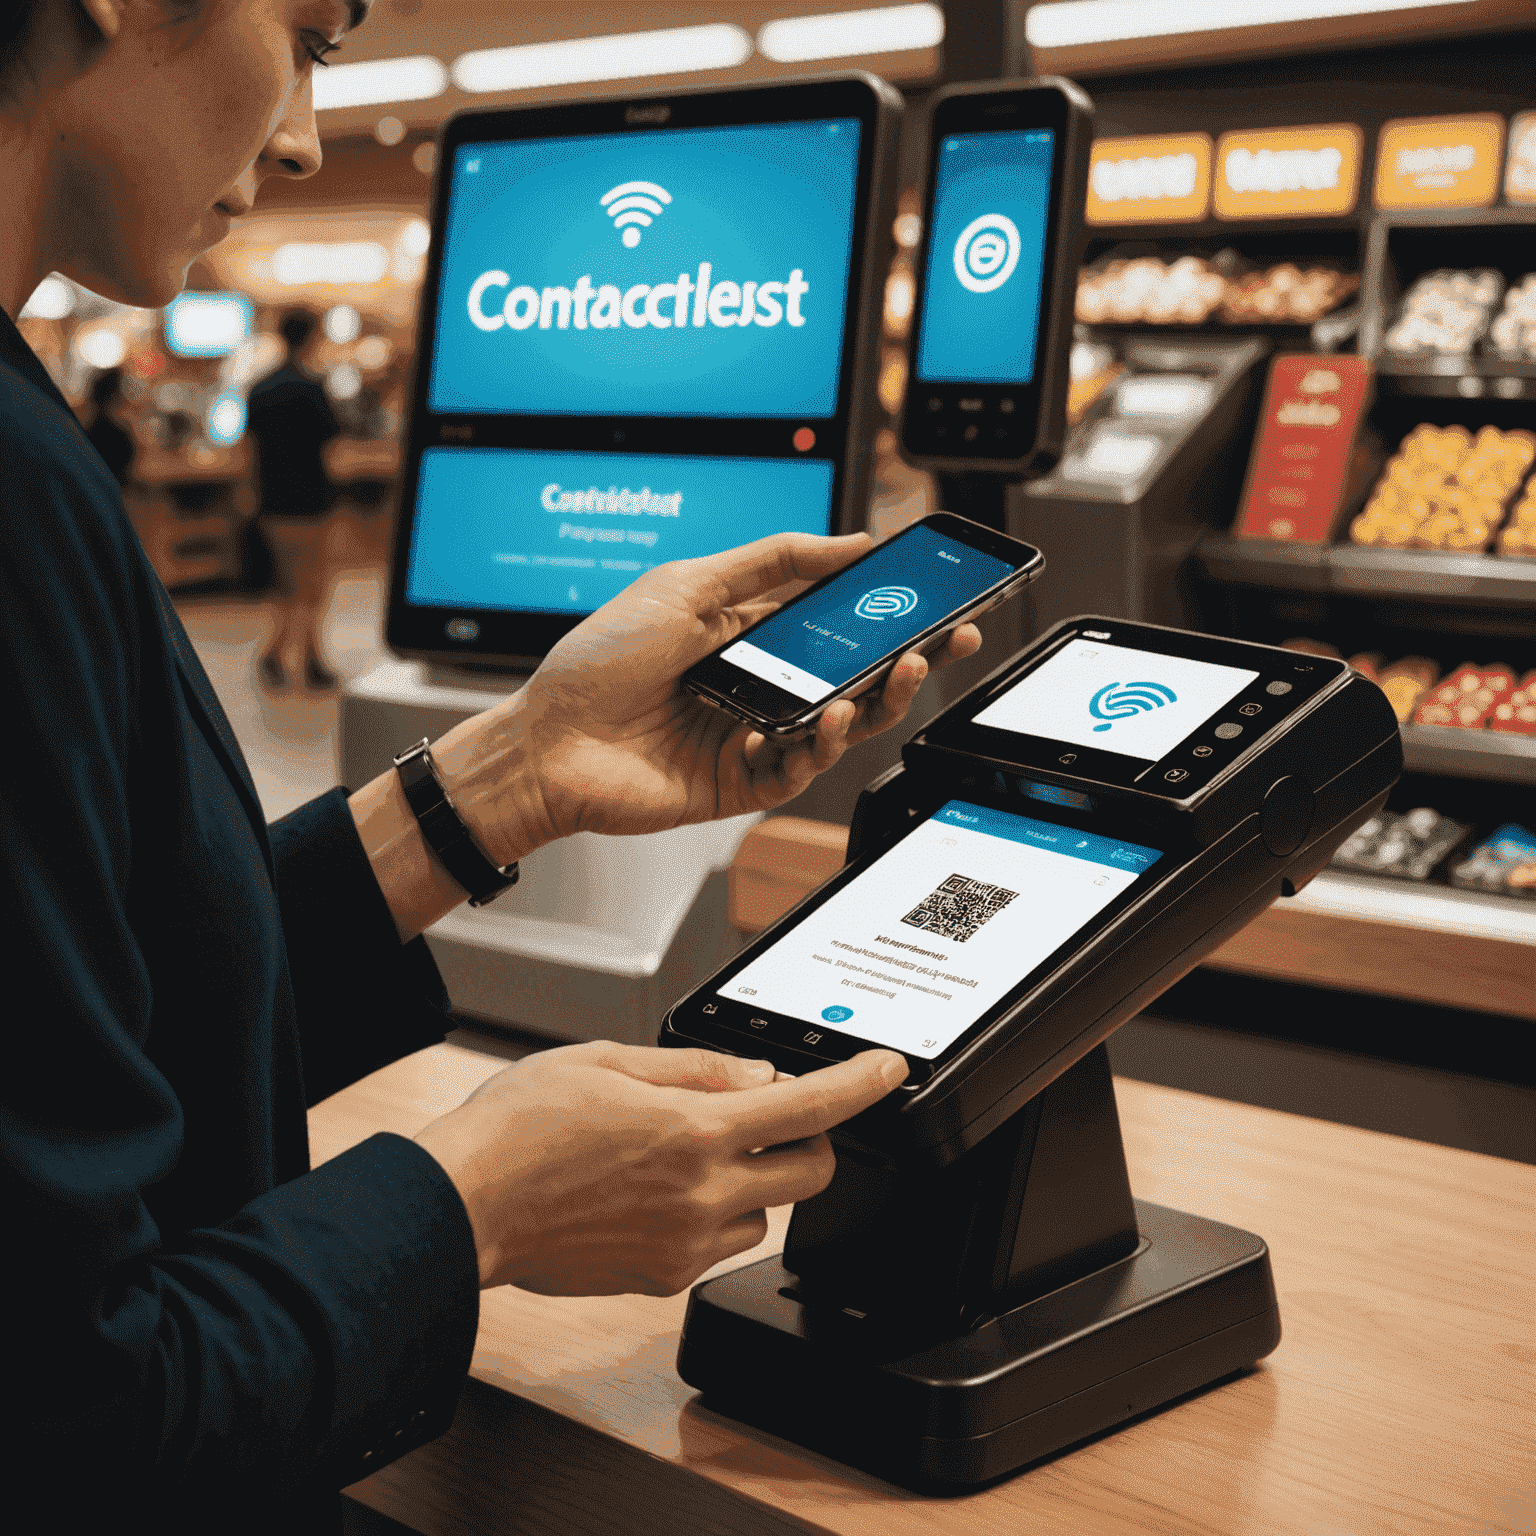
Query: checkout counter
point(1396, 1401)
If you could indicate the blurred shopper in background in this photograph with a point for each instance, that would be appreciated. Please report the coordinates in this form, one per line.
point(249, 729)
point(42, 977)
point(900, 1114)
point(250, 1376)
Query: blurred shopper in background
point(291, 422)
point(106, 433)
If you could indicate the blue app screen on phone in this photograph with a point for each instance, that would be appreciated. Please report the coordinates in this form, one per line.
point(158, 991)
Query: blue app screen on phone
point(986, 258)
point(695, 272)
point(814, 646)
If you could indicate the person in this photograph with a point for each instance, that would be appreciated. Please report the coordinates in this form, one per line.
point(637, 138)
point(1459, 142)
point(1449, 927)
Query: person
point(207, 1333)
point(290, 421)
point(113, 443)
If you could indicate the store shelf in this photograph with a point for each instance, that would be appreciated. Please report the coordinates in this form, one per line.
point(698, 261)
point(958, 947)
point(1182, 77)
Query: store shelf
point(1447, 377)
point(1444, 749)
point(1424, 575)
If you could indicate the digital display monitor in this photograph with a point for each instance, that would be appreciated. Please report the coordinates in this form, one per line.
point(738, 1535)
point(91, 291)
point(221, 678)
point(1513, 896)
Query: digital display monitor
point(919, 946)
point(987, 250)
point(1134, 703)
point(561, 533)
point(702, 272)
point(826, 640)
point(638, 345)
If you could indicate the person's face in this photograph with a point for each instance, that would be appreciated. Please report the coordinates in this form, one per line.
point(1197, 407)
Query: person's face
point(174, 126)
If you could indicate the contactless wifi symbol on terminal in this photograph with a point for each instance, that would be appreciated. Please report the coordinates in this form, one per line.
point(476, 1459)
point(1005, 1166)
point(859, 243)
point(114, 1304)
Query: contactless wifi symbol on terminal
point(633, 206)
point(1112, 702)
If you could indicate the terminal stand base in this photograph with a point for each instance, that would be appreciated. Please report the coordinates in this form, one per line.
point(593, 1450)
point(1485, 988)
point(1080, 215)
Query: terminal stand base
point(943, 1326)
point(1193, 1303)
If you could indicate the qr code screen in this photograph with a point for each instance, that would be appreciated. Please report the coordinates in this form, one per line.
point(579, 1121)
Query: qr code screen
point(959, 907)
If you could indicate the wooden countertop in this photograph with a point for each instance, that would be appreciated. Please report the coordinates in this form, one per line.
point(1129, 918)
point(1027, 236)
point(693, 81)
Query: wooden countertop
point(1400, 1399)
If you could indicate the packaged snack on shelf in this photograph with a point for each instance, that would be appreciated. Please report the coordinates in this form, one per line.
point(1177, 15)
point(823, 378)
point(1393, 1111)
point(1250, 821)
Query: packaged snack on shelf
point(1466, 698)
point(1185, 293)
point(1407, 847)
point(1405, 682)
point(1516, 715)
point(1518, 536)
point(1286, 295)
point(1445, 489)
point(1445, 311)
point(1513, 332)
point(1505, 863)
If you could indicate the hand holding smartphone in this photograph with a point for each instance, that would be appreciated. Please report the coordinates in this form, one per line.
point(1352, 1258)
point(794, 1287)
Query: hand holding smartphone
point(841, 636)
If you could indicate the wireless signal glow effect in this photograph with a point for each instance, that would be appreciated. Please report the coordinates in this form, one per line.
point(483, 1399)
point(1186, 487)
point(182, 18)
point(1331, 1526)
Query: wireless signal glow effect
point(633, 206)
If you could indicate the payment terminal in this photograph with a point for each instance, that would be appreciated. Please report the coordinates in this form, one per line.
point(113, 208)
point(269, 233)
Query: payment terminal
point(977, 1288)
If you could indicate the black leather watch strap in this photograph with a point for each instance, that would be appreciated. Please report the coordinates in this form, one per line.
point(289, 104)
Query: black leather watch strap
point(445, 831)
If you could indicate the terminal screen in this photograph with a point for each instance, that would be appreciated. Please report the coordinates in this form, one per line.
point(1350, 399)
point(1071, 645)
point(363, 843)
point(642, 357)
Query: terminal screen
point(916, 949)
point(826, 639)
point(986, 258)
point(1136, 703)
point(523, 530)
point(697, 272)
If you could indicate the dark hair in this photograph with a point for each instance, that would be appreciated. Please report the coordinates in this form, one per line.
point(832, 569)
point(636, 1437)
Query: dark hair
point(296, 327)
point(18, 18)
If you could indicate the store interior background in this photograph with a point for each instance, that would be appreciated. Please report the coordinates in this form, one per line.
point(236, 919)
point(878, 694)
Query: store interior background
point(1396, 1000)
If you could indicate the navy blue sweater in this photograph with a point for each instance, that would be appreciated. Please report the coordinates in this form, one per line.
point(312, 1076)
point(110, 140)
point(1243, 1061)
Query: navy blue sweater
point(203, 1332)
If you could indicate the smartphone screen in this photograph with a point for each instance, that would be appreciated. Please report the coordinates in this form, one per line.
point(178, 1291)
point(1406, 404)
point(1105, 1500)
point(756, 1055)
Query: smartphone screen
point(986, 257)
point(913, 951)
point(820, 642)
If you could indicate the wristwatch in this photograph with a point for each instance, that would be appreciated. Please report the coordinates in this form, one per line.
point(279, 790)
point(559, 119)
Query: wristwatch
point(444, 829)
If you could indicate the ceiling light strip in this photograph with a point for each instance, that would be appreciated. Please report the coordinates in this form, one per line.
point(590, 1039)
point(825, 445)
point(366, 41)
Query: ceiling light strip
point(883, 29)
point(376, 81)
point(1075, 23)
point(622, 56)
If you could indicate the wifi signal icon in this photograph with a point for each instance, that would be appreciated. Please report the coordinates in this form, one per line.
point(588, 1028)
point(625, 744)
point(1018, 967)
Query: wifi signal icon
point(1112, 702)
point(633, 206)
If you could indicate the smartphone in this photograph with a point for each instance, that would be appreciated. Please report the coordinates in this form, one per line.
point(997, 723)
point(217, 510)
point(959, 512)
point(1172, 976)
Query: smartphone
point(921, 946)
point(996, 276)
point(841, 636)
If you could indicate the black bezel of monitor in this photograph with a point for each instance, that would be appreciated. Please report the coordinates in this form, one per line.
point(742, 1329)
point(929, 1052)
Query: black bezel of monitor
point(517, 639)
point(782, 1039)
point(1036, 423)
point(1253, 708)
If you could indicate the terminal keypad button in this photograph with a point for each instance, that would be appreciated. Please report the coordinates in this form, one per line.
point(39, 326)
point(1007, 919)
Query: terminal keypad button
point(1250, 709)
point(1203, 751)
point(1228, 730)
point(1278, 689)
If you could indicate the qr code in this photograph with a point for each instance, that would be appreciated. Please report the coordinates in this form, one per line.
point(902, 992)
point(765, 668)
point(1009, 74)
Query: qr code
point(959, 907)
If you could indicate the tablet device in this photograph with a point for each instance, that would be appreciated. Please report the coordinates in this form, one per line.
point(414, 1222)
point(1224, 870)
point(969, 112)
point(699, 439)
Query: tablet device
point(646, 334)
point(996, 276)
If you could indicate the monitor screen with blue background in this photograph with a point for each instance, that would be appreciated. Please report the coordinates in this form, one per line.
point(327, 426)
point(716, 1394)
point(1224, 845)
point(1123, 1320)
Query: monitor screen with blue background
point(696, 272)
point(514, 528)
point(986, 256)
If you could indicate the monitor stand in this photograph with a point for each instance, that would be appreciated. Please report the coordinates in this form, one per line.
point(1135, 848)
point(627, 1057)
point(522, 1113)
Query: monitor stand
point(944, 1326)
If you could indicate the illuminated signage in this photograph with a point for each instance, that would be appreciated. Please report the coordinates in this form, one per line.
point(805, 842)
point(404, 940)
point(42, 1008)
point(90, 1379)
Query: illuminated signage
point(1162, 178)
point(1520, 170)
point(1277, 173)
point(1439, 162)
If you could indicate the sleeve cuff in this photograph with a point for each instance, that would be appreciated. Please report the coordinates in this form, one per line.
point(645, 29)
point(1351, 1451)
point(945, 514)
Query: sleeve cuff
point(381, 1241)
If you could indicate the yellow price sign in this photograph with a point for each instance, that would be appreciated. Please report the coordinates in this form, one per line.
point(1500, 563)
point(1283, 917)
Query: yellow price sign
point(1150, 179)
point(1439, 162)
point(1279, 173)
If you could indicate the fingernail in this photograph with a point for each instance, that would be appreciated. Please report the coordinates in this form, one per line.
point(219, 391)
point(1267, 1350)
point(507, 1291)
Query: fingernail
point(894, 1070)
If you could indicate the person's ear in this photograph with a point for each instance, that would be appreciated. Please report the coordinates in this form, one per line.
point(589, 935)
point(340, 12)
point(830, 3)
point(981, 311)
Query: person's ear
point(108, 15)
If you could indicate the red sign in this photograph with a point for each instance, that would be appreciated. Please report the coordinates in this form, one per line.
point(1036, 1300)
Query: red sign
point(1296, 478)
